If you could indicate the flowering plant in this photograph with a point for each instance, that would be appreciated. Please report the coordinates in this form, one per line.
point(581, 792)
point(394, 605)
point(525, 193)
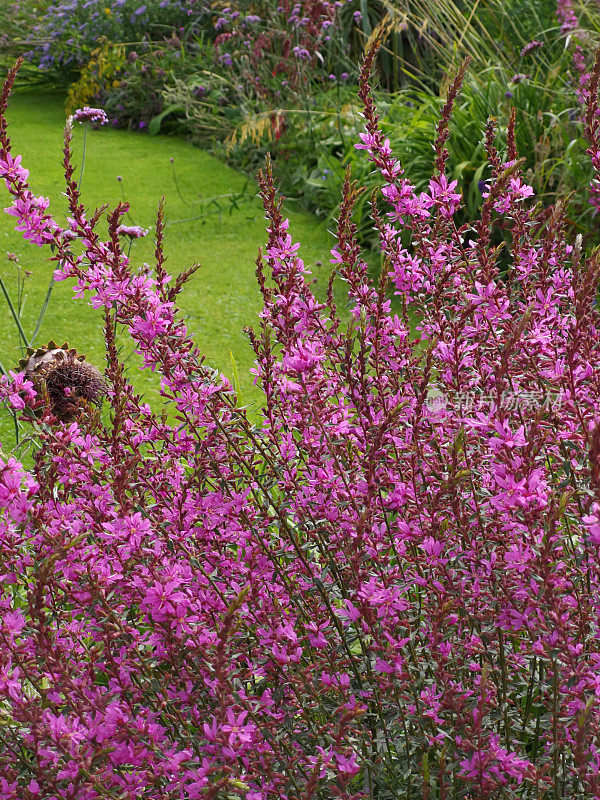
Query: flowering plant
point(69, 30)
point(376, 591)
point(287, 35)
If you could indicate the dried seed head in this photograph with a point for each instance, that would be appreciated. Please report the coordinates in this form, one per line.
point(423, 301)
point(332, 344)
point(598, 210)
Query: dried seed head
point(70, 382)
point(65, 378)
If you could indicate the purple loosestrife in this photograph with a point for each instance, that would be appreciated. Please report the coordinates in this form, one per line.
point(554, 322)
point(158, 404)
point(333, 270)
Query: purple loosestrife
point(566, 15)
point(578, 38)
point(387, 586)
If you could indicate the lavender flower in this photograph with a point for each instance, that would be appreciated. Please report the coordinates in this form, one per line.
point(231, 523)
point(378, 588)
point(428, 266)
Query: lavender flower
point(301, 53)
point(87, 114)
point(138, 12)
point(132, 231)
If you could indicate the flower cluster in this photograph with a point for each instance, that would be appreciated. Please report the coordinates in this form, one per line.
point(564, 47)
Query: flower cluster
point(566, 15)
point(132, 231)
point(69, 29)
point(357, 594)
point(87, 114)
point(580, 46)
point(287, 35)
point(535, 44)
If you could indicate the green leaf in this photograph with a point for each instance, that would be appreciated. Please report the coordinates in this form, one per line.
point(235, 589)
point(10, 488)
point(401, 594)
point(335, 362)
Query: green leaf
point(156, 122)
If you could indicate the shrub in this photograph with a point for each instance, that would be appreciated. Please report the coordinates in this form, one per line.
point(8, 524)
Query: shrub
point(70, 29)
point(253, 56)
point(135, 97)
point(274, 47)
point(16, 18)
point(263, 67)
point(385, 588)
point(109, 53)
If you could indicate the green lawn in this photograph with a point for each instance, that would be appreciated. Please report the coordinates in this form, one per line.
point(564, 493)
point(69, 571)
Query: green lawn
point(222, 297)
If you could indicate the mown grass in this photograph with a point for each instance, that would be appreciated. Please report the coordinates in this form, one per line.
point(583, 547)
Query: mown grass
point(221, 298)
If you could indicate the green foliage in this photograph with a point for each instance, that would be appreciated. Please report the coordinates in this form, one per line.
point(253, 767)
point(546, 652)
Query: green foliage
point(313, 156)
point(105, 63)
point(548, 136)
point(16, 21)
point(208, 103)
point(201, 217)
point(135, 99)
point(236, 88)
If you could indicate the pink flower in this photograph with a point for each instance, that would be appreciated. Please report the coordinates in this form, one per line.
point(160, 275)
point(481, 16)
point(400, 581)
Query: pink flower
point(11, 170)
point(347, 764)
point(513, 493)
point(442, 194)
point(534, 44)
point(239, 733)
point(164, 600)
point(507, 438)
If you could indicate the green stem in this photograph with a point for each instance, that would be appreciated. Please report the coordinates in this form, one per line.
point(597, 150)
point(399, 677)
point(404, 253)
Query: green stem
point(177, 184)
point(43, 309)
point(15, 316)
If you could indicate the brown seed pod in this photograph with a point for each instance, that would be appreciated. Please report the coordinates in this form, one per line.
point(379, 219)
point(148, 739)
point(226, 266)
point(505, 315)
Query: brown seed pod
point(64, 378)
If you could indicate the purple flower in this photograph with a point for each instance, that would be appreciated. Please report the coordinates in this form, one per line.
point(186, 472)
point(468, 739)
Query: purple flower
point(11, 169)
point(87, 114)
point(133, 231)
point(137, 13)
point(530, 46)
point(36, 225)
point(444, 196)
point(301, 53)
point(183, 556)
